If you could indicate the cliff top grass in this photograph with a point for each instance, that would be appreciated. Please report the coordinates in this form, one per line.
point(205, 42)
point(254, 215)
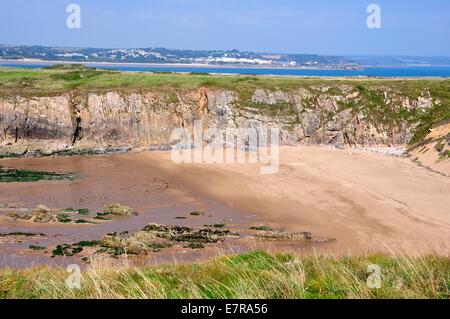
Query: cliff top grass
point(252, 275)
point(61, 78)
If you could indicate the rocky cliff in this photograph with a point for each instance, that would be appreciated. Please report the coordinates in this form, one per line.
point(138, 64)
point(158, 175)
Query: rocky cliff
point(340, 114)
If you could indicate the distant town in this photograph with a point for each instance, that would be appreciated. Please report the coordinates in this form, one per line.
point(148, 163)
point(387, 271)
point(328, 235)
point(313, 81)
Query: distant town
point(209, 57)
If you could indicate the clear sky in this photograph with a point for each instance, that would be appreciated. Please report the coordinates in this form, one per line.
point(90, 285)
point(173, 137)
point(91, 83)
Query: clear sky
point(409, 27)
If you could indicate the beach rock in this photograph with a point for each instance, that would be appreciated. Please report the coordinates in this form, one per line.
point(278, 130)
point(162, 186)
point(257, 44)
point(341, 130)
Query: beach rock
point(155, 237)
point(14, 216)
point(285, 235)
point(117, 209)
point(187, 234)
point(43, 214)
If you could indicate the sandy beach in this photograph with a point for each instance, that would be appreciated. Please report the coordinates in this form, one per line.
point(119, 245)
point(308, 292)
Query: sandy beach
point(365, 203)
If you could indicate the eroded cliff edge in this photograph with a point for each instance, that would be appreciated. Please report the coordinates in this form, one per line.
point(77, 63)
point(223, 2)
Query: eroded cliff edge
point(339, 112)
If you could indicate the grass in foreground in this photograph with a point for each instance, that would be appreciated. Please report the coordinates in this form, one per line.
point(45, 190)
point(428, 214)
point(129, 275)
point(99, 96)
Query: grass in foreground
point(253, 275)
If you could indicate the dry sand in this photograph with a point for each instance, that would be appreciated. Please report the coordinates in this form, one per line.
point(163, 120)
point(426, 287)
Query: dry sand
point(367, 202)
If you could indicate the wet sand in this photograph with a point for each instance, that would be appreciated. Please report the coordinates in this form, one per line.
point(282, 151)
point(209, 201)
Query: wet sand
point(367, 202)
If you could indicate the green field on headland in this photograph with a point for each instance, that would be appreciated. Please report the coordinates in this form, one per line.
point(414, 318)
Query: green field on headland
point(57, 79)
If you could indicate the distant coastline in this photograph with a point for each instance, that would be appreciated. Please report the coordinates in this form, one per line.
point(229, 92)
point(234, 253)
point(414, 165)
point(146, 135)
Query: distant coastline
point(181, 65)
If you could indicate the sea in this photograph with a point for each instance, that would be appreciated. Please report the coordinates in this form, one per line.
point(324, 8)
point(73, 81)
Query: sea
point(408, 71)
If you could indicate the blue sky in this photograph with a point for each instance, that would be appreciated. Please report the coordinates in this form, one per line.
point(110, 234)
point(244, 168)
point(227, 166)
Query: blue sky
point(414, 27)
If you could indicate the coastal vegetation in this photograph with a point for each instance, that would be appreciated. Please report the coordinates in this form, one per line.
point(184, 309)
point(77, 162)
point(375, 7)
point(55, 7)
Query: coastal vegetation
point(8, 175)
point(251, 275)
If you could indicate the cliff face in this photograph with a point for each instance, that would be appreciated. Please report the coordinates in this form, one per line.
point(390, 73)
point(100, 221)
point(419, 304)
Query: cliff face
point(323, 114)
